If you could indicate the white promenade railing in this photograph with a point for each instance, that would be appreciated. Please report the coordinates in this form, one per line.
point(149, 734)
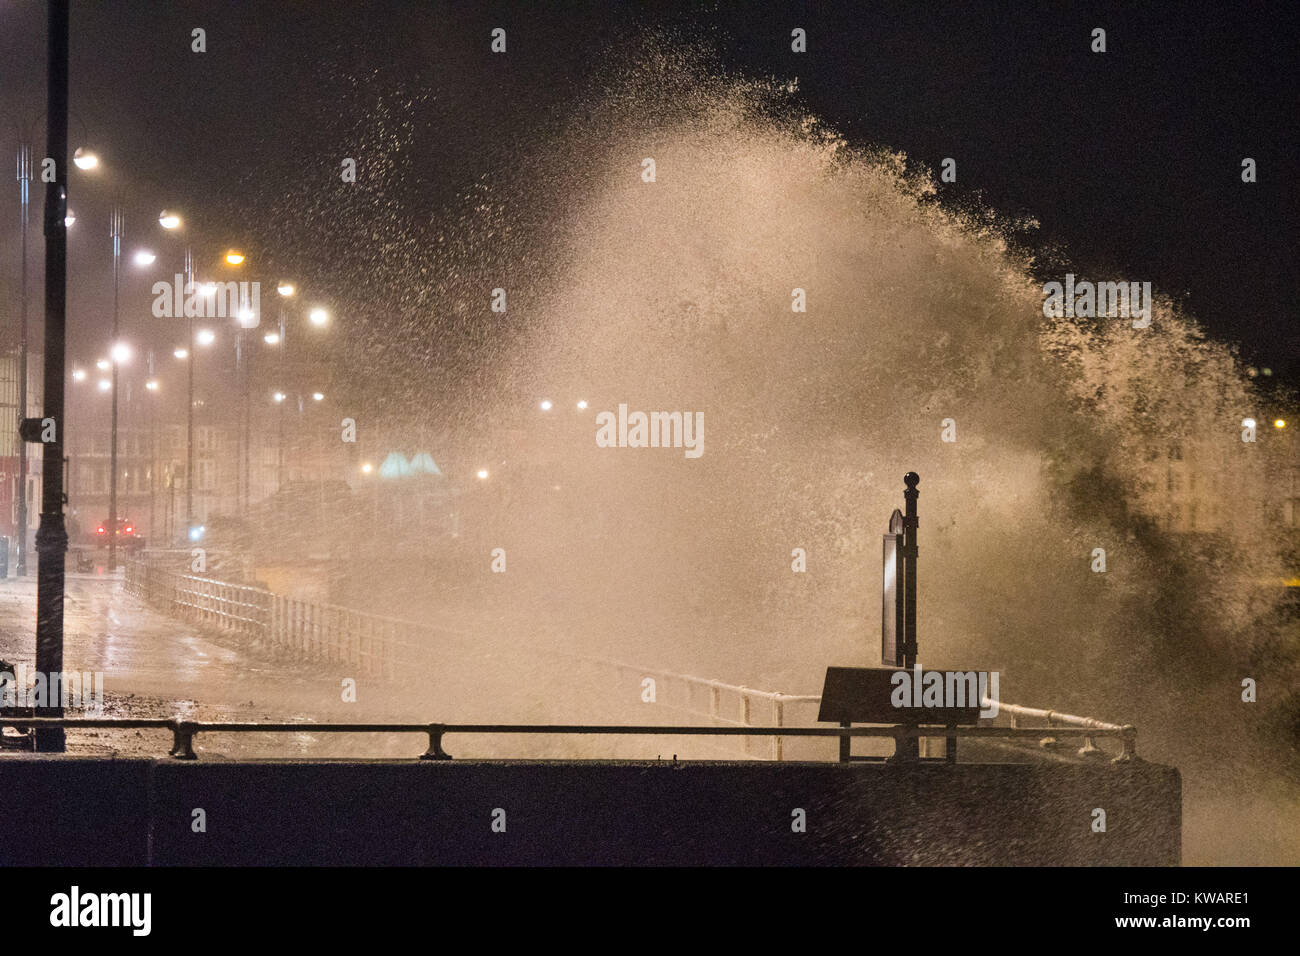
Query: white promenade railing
point(395, 649)
point(392, 648)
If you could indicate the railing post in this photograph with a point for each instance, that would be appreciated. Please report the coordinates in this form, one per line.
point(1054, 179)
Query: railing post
point(1129, 753)
point(778, 720)
point(435, 751)
point(183, 740)
point(1090, 750)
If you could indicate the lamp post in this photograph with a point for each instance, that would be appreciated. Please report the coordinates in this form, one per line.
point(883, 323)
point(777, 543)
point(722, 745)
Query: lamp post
point(285, 290)
point(86, 160)
point(171, 221)
point(189, 406)
point(243, 357)
point(115, 356)
point(52, 537)
point(279, 462)
point(151, 385)
point(24, 190)
point(203, 337)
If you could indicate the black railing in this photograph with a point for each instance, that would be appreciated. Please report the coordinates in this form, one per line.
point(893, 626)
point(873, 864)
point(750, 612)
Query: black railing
point(184, 731)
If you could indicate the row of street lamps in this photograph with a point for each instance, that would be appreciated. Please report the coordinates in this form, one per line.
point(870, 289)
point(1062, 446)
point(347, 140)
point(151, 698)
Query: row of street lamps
point(119, 352)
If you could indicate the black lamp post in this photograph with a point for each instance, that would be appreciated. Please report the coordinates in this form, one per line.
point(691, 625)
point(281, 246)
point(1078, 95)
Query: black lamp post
point(52, 538)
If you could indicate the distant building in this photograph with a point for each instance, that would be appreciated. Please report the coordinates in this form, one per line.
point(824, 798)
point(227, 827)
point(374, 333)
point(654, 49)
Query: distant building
point(1189, 485)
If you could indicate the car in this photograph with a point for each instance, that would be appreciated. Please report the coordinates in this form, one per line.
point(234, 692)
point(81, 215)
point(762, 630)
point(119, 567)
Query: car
point(127, 539)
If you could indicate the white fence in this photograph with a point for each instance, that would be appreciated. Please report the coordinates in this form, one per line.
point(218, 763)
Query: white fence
point(392, 648)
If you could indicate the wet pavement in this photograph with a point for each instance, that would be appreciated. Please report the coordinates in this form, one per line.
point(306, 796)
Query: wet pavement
point(154, 666)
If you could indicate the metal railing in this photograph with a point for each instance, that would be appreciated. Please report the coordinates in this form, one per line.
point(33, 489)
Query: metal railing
point(389, 647)
point(379, 646)
point(184, 731)
point(730, 705)
point(1056, 720)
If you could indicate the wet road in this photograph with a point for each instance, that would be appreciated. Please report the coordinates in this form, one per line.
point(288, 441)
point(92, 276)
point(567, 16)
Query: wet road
point(153, 666)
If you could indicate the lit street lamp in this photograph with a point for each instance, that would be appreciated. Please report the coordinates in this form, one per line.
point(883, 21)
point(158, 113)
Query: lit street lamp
point(319, 318)
point(118, 353)
point(85, 159)
point(151, 386)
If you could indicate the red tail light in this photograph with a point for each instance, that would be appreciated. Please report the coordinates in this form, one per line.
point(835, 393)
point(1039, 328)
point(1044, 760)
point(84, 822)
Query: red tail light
point(101, 531)
point(129, 529)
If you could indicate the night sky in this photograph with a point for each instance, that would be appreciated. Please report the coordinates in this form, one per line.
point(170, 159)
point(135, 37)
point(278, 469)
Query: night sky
point(1129, 160)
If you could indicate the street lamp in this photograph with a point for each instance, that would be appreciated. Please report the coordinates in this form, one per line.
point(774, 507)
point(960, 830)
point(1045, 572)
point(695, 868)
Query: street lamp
point(143, 257)
point(118, 352)
point(286, 290)
point(319, 317)
point(234, 258)
point(169, 220)
point(85, 159)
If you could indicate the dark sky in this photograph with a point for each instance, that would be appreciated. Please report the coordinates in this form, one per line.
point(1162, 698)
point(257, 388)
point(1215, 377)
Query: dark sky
point(1130, 160)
